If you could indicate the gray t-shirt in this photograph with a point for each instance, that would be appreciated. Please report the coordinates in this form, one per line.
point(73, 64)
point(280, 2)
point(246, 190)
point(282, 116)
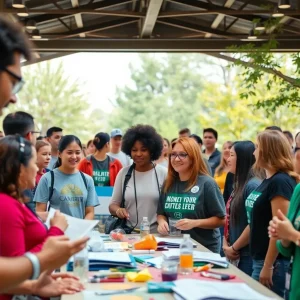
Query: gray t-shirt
point(146, 191)
point(202, 201)
point(70, 195)
point(101, 171)
point(52, 162)
point(124, 159)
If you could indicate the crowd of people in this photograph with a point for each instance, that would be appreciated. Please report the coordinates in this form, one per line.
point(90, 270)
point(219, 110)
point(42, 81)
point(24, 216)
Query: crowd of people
point(242, 201)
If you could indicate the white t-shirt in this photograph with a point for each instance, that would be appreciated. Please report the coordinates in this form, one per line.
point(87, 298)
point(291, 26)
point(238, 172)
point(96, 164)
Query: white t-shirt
point(124, 159)
point(146, 191)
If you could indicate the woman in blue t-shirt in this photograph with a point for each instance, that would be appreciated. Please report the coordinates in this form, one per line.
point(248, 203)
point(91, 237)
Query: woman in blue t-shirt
point(65, 188)
point(237, 231)
point(273, 154)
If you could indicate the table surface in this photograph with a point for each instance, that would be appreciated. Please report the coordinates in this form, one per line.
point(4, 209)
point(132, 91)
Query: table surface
point(231, 270)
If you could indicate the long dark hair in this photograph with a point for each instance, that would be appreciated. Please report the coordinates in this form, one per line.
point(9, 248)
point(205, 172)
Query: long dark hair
point(245, 159)
point(14, 152)
point(64, 143)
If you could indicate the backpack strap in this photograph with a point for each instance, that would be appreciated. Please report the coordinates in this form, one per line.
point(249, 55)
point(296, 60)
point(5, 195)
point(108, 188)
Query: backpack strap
point(84, 179)
point(51, 188)
point(127, 178)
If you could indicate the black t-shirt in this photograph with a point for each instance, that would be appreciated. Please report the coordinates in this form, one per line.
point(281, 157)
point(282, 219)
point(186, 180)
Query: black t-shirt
point(259, 210)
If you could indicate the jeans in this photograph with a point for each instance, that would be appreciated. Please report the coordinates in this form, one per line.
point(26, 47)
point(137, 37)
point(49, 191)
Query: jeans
point(246, 264)
point(280, 269)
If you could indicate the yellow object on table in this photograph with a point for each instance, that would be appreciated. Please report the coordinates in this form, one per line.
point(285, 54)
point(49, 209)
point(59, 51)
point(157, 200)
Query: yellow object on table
point(141, 276)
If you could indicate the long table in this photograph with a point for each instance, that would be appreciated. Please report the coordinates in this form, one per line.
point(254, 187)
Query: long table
point(231, 270)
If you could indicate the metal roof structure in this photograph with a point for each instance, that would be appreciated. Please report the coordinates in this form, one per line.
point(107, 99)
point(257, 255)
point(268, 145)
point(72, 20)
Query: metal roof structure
point(69, 26)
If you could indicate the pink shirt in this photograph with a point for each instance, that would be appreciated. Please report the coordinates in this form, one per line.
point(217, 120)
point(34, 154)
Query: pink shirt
point(20, 230)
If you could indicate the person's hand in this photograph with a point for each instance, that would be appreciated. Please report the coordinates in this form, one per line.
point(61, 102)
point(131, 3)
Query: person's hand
point(163, 227)
point(185, 224)
point(59, 220)
point(230, 253)
point(64, 276)
point(47, 286)
point(281, 227)
point(122, 213)
point(265, 277)
point(57, 251)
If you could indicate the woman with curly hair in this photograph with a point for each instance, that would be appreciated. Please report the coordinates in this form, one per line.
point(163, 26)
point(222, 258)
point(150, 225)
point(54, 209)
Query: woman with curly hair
point(144, 145)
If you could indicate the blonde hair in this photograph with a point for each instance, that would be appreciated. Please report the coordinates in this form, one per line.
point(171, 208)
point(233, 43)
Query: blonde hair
point(223, 162)
point(275, 152)
point(198, 166)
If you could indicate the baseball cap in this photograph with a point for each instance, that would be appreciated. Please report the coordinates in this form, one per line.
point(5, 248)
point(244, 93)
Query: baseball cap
point(116, 132)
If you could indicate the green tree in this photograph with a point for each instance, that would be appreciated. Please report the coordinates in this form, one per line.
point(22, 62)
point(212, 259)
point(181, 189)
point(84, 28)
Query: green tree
point(237, 118)
point(163, 93)
point(55, 100)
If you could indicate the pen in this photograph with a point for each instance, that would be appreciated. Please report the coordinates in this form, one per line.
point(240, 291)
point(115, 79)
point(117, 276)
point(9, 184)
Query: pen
point(218, 276)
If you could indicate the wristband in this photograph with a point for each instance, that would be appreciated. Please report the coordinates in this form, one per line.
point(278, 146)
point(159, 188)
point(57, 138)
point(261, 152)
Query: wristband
point(35, 265)
point(269, 268)
point(234, 249)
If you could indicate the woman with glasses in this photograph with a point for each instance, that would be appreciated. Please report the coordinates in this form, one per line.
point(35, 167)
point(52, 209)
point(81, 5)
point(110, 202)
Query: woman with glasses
point(20, 229)
point(191, 196)
point(144, 145)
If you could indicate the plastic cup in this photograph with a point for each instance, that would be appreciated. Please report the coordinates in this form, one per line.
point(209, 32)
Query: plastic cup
point(173, 230)
point(169, 270)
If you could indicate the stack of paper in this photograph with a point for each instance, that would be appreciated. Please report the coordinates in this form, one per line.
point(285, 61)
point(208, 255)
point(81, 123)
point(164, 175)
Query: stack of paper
point(207, 257)
point(120, 246)
point(106, 260)
point(76, 227)
point(170, 243)
point(192, 289)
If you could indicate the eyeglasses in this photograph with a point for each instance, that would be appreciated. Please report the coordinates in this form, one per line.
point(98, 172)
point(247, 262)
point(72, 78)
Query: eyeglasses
point(17, 86)
point(181, 156)
point(36, 132)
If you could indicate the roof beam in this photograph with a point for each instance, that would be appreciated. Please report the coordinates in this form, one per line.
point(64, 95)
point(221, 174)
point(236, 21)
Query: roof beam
point(153, 45)
point(151, 17)
point(91, 29)
point(193, 27)
point(78, 17)
point(79, 10)
point(219, 18)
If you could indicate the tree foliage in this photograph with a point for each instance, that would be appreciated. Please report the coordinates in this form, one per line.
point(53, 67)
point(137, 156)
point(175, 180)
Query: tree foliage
point(55, 100)
point(163, 93)
point(262, 66)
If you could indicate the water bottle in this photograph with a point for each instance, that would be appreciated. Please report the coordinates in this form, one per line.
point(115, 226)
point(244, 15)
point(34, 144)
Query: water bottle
point(186, 256)
point(81, 265)
point(145, 227)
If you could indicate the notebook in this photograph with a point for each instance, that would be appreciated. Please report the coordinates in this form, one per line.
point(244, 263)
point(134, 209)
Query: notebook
point(106, 260)
point(170, 242)
point(199, 256)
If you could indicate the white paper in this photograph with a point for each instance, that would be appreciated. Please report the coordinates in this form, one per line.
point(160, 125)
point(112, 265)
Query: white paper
point(197, 255)
point(121, 257)
point(192, 289)
point(77, 227)
point(157, 261)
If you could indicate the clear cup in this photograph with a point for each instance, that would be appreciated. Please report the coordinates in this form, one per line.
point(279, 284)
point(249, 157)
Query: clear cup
point(169, 270)
point(173, 230)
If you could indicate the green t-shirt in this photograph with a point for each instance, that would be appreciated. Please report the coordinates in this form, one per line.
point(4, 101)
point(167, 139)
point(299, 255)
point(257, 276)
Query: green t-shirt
point(293, 250)
point(101, 171)
point(202, 201)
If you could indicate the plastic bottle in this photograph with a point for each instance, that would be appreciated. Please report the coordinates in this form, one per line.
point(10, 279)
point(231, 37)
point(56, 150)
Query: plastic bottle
point(186, 256)
point(81, 265)
point(145, 227)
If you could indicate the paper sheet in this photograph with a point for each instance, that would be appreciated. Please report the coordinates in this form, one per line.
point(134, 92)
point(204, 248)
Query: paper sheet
point(121, 257)
point(77, 227)
point(192, 289)
point(198, 255)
